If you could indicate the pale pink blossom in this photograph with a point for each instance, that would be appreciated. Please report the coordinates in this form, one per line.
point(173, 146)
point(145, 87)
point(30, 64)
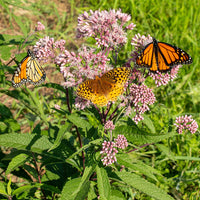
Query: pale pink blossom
point(39, 27)
point(141, 97)
point(108, 153)
point(186, 122)
point(108, 28)
point(121, 142)
point(109, 125)
point(57, 106)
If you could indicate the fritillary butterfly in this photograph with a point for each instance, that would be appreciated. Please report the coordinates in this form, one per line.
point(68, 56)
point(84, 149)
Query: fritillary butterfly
point(106, 88)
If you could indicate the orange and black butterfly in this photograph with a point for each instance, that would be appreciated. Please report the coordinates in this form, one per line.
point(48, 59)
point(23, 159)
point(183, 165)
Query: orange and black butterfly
point(28, 71)
point(160, 56)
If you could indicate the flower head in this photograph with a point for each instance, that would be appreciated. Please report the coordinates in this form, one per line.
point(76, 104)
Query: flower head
point(106, 27)
point(108, 153)
point(45, 48)
point(121, 142)
point(163, 79)
point(141, 97)
point(39, 27)
point(109, 125)
point(87, 63)
point(186, 122)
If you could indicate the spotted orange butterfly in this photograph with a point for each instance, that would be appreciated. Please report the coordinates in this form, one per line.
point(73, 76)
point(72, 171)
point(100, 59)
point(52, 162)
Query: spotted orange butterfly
point(106, 88)
point(28, 71)
point(160, 56)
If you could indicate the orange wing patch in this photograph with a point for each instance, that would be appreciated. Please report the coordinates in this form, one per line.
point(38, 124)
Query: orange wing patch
point(160, 56)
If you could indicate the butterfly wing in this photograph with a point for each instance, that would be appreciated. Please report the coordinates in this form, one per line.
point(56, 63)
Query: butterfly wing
point(173, 55)
point(91, 90)
point(20, 76)
point(106, 88)
point(147, 57)
point(160, 56)
point(35, 72)
point(117, 78)
point(29, 70)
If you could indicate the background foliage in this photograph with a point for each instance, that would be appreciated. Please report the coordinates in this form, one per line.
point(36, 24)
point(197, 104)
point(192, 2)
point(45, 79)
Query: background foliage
point(39, 146)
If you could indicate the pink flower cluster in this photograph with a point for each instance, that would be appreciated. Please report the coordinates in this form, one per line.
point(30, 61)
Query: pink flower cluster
point(106, 27)
point(121, 142)
point(186, 122)
point(163, 79)
point(141, 97)
point(109, 150)
point(39, 27)
point(45, 48)
point(87, 63)
point(109, 125)
point(108, 153)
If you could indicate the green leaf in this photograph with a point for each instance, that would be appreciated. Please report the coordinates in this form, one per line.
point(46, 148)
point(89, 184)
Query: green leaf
point(143, 185)
point(95, 142)
point(78, 121)
point(166, 151)
point(3, 189)
point(134, 136)
point(36, 185)
point(60, 135)
point(125, 159)
point(186, 158)
point(117, 195)
point(12, 124)
point(16, 162)
point(5, 112)
point(9, 189)
point(73, 191)
point(103, 183)
point(91, 194)
point(78, 188)
point(149, 123)
point(31, 142)
point(6, 52)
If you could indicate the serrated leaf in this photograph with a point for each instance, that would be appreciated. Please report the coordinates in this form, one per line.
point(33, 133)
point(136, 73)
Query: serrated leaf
point(16, 162)
point(142, 138)
point(143, 185)
point(32, 142)
point(117, 195)
point(149, 123)
point(60, 135)
point(124, 159)
point(91, 194)
point(78, 121)
point(103, 183)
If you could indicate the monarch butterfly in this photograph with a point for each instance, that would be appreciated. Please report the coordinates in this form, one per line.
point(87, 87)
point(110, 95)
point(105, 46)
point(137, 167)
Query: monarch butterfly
point(160, 56)
point(29, 70)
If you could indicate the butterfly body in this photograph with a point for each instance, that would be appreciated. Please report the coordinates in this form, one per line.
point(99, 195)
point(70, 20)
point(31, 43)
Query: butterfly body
point(106, 88)
point(29, 70)
point(161, 56)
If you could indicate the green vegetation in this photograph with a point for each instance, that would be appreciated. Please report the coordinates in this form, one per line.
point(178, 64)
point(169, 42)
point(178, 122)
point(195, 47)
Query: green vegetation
point(41, 153)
